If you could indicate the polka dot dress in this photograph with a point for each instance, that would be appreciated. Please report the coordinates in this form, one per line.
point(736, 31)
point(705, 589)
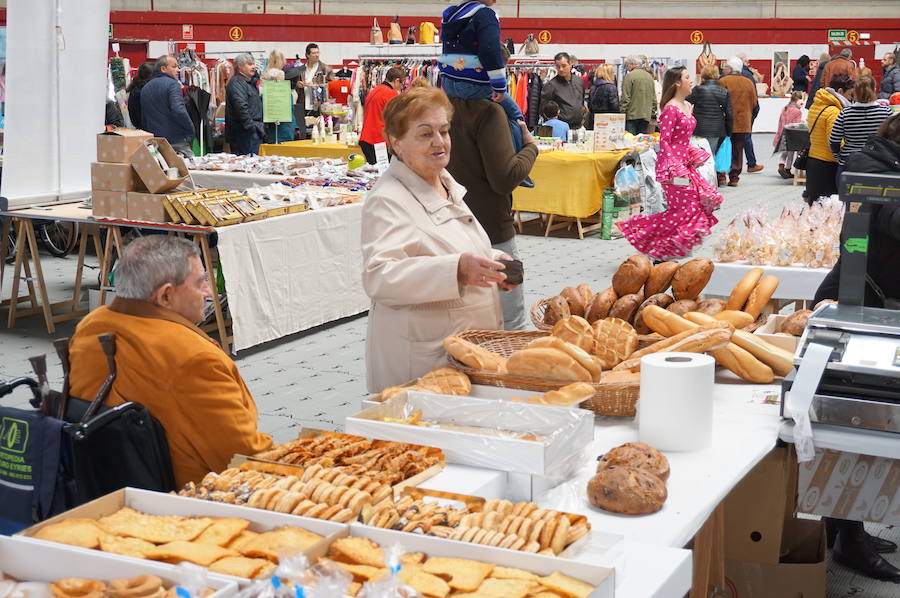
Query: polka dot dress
point(688, 218)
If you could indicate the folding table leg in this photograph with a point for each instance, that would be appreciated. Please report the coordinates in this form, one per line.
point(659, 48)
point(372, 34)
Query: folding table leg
point(549, 224)
point(17, 272)
point(217, 305)
point(39, 274)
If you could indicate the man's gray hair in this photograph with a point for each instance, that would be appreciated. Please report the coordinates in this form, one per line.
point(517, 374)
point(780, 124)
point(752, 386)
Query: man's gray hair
point(633, 60)
point(152, 261)
point(847, 53)
point(161, 62)
point(242, 59)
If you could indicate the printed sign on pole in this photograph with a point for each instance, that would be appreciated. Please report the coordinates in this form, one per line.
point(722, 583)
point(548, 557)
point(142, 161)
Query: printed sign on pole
point(276, 97)
point(187, 32)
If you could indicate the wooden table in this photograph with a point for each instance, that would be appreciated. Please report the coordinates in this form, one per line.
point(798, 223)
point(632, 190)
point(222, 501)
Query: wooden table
point(28, 262)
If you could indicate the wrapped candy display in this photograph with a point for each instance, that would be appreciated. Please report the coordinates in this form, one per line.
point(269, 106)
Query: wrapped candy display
point(801, 236)
point(313, 196)
point(312, 171)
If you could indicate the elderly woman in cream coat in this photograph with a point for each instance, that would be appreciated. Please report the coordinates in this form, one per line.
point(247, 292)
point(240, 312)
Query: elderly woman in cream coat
point(428, 265)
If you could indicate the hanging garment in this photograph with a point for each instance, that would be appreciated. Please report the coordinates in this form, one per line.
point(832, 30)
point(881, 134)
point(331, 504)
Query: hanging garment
point(535, 86)
point(197, 104)
point(521, 96)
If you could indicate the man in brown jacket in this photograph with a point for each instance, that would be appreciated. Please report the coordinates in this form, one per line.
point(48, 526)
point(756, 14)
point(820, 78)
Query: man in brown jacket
point(743, 101)
point(482, 160)
point(841, 63)
point(165, 362)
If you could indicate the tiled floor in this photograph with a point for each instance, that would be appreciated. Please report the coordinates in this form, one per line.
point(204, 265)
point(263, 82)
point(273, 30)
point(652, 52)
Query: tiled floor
point(317, 378)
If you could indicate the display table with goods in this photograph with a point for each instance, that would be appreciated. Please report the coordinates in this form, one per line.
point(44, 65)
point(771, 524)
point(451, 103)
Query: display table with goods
point(309, 149)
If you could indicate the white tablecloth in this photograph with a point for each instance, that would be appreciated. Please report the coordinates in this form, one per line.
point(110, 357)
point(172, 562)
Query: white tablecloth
point(232, 181)
point(291, 273)
point(767, 119)
point(794, 282)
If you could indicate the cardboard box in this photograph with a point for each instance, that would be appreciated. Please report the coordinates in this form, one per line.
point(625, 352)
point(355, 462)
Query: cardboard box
point(151, 173)
point(565, 432)
point(45, 562)
point(598, 573)
point(147, 207)
point(756, 509)
point(157, 503)
point(115, 177)
point(767, 333)
point(118, 145)
point(850, 486)
point(799, 574)
point(109, 204)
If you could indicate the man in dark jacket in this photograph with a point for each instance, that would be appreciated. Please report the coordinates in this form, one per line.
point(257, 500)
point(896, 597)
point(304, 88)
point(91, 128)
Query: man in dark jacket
point(799, 75)
point(162, 107)
point(243, 108)
point(890, 80)
point(712, 109)
point(567, 90)
point(484, 162)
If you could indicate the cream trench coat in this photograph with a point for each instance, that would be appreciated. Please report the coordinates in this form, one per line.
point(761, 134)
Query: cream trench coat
point(412, 239)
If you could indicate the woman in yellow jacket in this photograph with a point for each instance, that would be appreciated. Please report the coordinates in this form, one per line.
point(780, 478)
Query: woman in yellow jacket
point(821, 166)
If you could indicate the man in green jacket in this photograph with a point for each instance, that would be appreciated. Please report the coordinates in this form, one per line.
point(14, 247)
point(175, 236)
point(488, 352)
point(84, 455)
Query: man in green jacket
point(638, 97)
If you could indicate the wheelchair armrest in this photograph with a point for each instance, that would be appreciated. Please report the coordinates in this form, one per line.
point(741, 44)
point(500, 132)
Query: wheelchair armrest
point(82, 431)
point(11, 385)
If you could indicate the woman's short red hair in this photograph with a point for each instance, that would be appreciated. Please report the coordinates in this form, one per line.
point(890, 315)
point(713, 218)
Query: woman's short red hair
point(403, 109)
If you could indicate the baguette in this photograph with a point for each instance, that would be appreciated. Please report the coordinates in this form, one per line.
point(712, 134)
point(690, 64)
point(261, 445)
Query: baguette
point(761, 295)
point(584, 359)
point(474, 356)
point(666, 343)
point(738, 318)
point(547, 363)
point(665, 322)
point(569, 394)
point(742, 289)
point(697, 340)
point(781, 361)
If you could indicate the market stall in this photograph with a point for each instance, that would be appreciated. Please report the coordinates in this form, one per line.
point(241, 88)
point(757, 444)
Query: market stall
point(308, 149)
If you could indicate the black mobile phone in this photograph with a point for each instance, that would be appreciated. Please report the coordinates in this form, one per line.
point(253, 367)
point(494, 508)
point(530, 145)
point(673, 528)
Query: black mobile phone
point(515, 272)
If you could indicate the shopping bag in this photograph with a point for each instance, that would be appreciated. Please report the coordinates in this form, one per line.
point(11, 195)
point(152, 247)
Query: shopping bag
point(723, 156)
point(376, 38)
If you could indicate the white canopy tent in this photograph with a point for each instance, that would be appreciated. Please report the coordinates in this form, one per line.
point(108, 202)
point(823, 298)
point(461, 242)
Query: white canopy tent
point(56, 87)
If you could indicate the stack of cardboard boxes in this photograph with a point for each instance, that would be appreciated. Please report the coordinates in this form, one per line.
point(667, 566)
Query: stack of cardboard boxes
point(127, 180)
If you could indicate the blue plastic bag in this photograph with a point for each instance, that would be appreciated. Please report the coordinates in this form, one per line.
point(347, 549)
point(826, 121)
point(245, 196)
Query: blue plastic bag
point(723, 156)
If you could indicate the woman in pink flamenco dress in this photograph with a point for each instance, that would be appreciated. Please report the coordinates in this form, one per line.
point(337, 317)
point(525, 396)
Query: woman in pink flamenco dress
point(690, 199)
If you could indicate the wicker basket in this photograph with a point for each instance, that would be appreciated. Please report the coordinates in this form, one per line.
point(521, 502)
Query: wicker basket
point(537, 318)
point(617, 399)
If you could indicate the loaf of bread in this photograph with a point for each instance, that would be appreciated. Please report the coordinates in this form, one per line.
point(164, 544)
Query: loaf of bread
point(474, 356)
point(740, 319)
point(575, 330)
point(741, 291)
point(620, 377)
point(761, 294)
point(576, 300)
point(557, 309)
point(691, 278)
point(631, 275)
point(711, 307)
point(696, 340)
point(665, 322)
point(570, 394)
point(626, 307)
point(584, 359)
point(682, 306)
point(639, 455)
point(600, 304)
point(795, 323)
point(627, 490)
point(660, 278)
point(547, 364)
point(781, 361)
point(615, 340)
point(449, 381)
point(660, 299)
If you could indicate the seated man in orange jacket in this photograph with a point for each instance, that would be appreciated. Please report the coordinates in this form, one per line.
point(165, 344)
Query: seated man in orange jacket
point(165, 362)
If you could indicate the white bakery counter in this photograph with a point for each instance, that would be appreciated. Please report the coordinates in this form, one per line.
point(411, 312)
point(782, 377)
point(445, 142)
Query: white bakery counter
point(292, 272)
point(232, 181)
point(795, 282)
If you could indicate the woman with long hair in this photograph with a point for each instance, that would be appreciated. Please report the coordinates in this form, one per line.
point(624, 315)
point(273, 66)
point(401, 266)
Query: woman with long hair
point(800, 74)
point(603, 97)
point(144, 74)
point(690, 199)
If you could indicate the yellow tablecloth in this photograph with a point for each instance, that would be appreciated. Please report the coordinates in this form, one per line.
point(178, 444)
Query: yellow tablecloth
point(568, 184)
point(308, 149)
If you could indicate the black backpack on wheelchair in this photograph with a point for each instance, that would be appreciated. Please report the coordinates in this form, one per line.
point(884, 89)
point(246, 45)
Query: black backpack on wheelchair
point(68, 451)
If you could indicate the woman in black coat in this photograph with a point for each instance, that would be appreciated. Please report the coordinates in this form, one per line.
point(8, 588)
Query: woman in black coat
point(800, 74)
point(712, 109)
point(144, 74)
point(603, 97)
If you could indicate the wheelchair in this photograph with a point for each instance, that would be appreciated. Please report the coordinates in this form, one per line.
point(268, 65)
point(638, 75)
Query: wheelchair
point(67, 451)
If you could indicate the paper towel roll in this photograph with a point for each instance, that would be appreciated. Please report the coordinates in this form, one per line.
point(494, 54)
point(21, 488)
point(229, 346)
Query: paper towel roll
point(676, 403)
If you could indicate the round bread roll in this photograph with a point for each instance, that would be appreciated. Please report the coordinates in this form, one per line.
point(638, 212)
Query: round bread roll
point(615, 341)
point(557, 309)
point(600, 304)
point(691, 278)
point(823, 302)
point(627, 490)
point(711, 307)
point(626, 307)
point(586, 293)
point(631, 275)
point(448, 380)
point(661, 299)
point(741, 291)
point(761, 295)
point(577, 302)
point(577, 331)
point(683, 306)
point(660, 278)
point(795, 323)
point(636, 454)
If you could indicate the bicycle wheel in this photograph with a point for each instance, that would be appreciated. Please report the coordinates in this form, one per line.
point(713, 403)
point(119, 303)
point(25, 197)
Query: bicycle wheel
point(59, 237)
point(10, 246)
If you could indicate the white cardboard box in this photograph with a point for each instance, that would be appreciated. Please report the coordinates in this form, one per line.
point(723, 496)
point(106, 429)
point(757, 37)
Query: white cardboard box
point(29, 560)
point(602, 577)
point(767, 333)
point(157, 503)
point(479, 391)
point(567, 431)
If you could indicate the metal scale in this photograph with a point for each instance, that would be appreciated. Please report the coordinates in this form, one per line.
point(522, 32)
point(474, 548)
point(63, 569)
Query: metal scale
point(860, 384)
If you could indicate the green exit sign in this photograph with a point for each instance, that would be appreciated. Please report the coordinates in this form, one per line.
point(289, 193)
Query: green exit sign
point(837, 35)
point(110, 31)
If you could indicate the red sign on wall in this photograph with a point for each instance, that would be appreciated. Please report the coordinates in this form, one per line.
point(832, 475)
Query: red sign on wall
point(187, 32)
